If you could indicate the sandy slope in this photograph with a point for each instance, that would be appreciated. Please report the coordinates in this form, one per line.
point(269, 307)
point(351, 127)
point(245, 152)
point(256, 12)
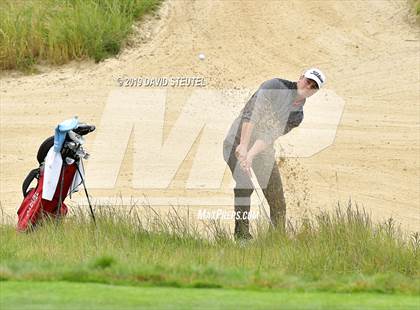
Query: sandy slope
point(369, 50)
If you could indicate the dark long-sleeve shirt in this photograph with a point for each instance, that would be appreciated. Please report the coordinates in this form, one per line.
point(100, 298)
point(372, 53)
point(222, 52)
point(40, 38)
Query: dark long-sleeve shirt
point(271, 110)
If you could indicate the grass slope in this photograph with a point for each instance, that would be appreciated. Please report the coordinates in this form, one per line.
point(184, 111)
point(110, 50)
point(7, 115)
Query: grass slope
point(61, 295)
point(340, 252)
point(57, 31)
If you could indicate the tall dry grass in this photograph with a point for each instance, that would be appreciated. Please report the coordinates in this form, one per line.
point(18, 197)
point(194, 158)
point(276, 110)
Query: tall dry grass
point(57, 31)
point(343, 251)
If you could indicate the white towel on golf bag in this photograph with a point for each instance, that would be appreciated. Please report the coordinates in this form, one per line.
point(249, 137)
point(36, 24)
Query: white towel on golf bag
point(52, 170)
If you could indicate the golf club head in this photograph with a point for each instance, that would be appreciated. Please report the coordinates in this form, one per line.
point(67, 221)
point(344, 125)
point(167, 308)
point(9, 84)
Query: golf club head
point(78, 139)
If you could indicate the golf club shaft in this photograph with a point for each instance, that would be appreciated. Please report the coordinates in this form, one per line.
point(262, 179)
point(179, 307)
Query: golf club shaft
point(261, 199)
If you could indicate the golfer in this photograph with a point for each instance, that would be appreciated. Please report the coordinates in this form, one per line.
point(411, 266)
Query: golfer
point(272, 111)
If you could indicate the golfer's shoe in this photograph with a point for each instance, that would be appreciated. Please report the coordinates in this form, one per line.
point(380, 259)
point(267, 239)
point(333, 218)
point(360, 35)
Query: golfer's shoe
point(243, 236)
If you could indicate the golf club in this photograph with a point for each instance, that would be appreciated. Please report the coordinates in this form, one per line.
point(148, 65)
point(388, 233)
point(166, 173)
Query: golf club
point(260, 196)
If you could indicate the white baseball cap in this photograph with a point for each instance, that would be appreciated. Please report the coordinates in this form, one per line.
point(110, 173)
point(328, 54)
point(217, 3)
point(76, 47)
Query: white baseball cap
point(315, 75)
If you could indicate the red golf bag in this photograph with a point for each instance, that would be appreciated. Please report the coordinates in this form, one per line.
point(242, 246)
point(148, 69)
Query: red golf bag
point(33, 207)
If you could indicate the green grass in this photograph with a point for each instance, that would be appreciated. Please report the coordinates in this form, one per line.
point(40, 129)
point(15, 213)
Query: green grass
point(57, 31)
point(61, 295)
point(416, 4)
point(339, 252)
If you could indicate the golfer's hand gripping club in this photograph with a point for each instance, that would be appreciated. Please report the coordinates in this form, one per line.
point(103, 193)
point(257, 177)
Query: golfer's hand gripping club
point(241, 152)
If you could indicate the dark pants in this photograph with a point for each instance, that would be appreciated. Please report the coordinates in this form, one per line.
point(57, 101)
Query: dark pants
point(268, 175)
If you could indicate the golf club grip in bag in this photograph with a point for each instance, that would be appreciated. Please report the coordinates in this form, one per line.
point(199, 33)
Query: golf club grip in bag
point(33, 207)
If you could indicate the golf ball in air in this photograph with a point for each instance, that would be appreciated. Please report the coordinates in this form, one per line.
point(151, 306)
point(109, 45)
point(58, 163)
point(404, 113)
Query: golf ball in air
point(201, 56)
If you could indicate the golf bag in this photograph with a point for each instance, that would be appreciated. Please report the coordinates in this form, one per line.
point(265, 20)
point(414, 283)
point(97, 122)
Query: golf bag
point(34, 207)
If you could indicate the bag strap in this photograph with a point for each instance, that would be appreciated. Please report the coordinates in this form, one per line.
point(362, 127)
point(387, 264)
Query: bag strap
point(34, 173)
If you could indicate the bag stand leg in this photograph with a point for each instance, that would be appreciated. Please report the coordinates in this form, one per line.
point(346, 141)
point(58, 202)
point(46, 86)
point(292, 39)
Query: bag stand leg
point(87, 195)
